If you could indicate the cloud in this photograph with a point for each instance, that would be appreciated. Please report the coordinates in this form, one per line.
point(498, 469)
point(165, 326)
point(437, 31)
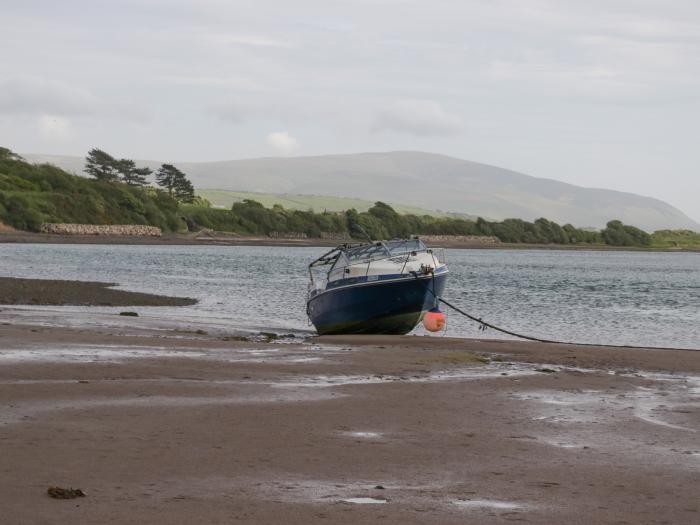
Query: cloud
point(36, 95)
point(39, 96)
point(247, 107)
point(249, 40)
point(232, 110)
point(210, 81)
point(416, 117)
point(283, 142)
point(54, 127)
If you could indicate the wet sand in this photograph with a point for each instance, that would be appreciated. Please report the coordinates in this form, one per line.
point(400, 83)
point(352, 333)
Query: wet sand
point(15, 291)
point(158, 424)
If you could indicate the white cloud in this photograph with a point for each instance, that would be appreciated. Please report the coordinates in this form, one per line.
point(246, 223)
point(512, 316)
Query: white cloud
point(54, 127)
point(282, 142)
point(417, 117)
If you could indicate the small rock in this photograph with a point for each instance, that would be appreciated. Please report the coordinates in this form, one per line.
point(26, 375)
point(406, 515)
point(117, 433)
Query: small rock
point(61, 493)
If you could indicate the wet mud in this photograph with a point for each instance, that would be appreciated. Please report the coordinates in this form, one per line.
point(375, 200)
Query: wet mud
point(179, 427)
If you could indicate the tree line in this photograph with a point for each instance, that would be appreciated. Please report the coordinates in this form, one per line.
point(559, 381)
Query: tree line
point(381, 221)
point(104, 167)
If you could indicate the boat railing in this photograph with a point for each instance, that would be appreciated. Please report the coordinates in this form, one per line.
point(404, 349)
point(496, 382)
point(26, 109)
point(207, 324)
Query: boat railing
point(438, 254)
point(321, 279)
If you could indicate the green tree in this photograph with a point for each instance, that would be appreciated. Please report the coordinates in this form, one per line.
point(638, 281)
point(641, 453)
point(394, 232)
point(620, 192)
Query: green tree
point(130, 174)
point(167, 177)
point(8, 154)
point(184, 191)
point(394, 225)
point(101, 165)
point(176, 182)
point(483, 226)
point(618, 234)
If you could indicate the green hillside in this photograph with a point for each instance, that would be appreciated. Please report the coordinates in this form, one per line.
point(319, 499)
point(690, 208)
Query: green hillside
point(676, 239)
point(423, 180)
point(33, 194)
point(317, 203)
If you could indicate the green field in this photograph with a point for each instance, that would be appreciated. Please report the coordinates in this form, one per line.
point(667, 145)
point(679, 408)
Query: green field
point(675, 239)
point(317, 203)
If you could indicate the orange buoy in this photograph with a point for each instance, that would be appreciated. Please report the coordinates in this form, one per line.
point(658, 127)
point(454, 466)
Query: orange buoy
point(434, 320)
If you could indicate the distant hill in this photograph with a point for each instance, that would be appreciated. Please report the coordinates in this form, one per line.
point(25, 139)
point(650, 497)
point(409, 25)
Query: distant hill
point(427, 181)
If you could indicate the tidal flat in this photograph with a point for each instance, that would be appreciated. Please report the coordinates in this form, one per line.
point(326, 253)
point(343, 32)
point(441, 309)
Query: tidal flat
point(164, 422)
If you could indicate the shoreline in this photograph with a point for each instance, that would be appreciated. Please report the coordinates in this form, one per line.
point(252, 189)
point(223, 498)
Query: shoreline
point(168, 423)
point(17, 237)
point(51, 292)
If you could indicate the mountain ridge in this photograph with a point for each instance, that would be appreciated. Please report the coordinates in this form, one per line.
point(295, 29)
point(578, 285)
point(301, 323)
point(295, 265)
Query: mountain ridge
point(427, 180)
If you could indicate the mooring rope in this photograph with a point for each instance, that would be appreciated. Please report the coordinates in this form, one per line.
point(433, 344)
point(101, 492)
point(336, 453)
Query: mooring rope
point(483, 325)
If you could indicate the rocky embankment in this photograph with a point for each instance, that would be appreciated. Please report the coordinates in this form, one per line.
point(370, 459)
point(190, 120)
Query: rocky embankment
point(102, 229)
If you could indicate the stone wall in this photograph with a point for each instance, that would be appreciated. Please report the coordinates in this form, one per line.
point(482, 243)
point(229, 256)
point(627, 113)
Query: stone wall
point(301, 235)
point(287, 235)
point(335, 236)
point(101, 229)
point(461, 239)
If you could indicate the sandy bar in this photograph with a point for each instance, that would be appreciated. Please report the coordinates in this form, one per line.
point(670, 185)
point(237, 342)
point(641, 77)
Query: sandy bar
point(164, 426)
point(14, 291)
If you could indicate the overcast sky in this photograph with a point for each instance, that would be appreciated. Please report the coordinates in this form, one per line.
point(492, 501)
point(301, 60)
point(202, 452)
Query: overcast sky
point(602, 93)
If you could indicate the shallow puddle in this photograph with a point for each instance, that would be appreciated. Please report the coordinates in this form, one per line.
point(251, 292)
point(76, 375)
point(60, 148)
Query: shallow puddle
point(489, 504)
point(364, 501)
point(501, 371)
point(82, 353)
point(364, 435)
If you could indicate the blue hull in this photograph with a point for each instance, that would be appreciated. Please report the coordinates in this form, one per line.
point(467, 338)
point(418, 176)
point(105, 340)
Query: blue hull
point(379, 307)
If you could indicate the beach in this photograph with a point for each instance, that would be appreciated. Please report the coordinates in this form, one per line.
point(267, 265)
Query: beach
point(162, 422)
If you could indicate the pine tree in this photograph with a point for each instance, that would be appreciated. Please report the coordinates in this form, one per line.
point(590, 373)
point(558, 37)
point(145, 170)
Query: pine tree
point(176, 182)
point(167, 177)
point(101, 165)
point(140, 175)
point(130, 174)
point(184, 191)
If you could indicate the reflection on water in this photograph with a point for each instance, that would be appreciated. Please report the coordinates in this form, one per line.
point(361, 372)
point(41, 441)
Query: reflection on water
point(649, 299)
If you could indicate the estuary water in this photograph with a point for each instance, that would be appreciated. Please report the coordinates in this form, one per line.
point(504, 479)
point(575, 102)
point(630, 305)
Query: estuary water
point(622, 298)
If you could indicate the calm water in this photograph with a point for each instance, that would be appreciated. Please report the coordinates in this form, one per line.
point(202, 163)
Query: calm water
point(650, 299)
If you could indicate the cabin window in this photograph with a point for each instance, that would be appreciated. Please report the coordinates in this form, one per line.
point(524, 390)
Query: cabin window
point(398, 247)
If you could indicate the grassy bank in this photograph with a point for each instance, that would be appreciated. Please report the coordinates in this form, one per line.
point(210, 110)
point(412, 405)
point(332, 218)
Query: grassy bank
point(676, 239)
point(31, 195)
